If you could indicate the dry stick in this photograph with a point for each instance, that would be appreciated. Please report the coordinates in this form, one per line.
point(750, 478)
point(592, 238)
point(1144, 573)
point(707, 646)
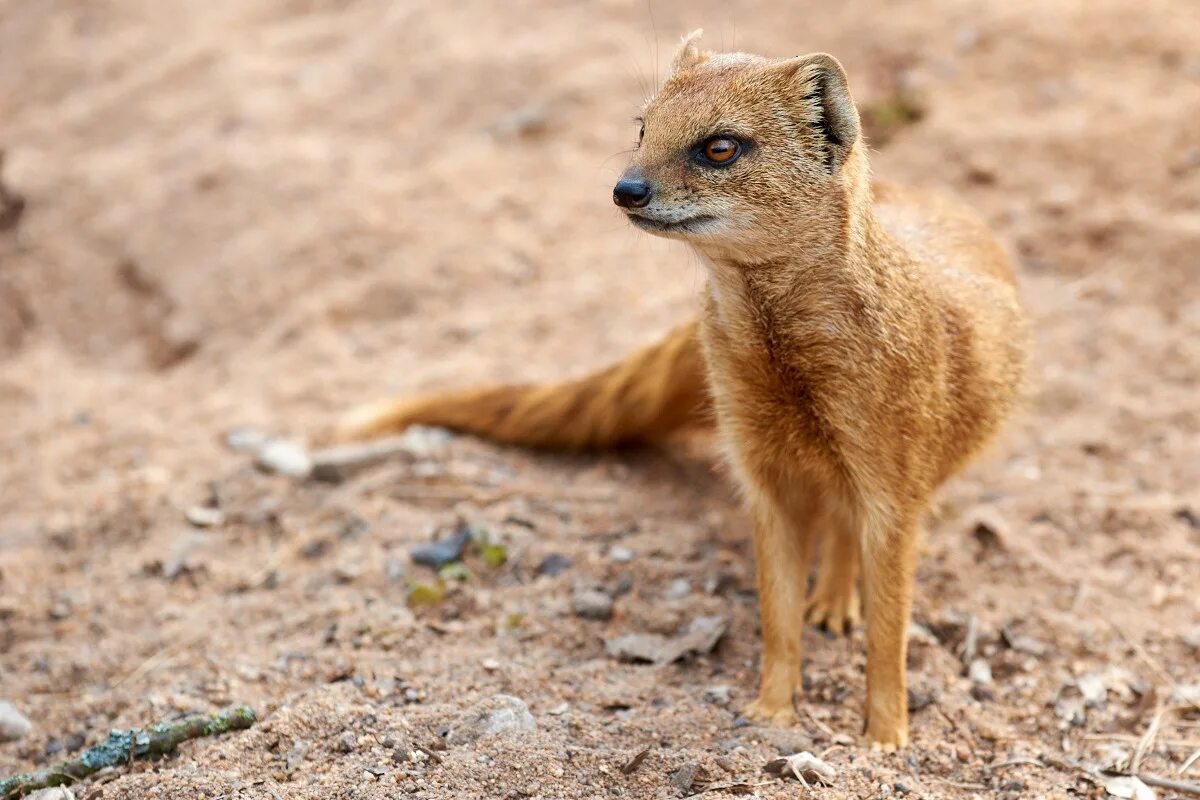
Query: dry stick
point(1167, 783)
point(123, 747)
point(1179, 744)
point(1146, 743)
point(1190, 760)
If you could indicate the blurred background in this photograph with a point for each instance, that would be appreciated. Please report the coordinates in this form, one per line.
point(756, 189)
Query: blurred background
point(260, 212)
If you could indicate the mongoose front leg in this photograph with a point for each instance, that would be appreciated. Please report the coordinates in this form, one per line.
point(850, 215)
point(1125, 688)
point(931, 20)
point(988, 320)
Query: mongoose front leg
point(782, 554)
point(834, 603)
point(889, 554)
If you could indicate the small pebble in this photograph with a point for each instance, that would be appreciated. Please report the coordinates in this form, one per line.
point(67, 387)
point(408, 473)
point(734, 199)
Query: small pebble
point(55, 793)
point(499, 714)
point(284, 457)
point(980, 672)
point(244, 439)
point(620, 555)
point(678, 589)
point(591, 604)
point(554, 564)
point(13, 724)
point(346, 743)
point(718, 694)
point(204, 516)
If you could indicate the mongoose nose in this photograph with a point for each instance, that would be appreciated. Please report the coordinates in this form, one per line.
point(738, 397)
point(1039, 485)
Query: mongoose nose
point(629, 193)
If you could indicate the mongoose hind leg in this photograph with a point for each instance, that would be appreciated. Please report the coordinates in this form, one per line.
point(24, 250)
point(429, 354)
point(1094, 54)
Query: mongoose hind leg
point(834, 605)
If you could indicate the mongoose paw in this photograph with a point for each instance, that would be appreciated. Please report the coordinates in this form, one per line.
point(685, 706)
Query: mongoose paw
point(770, 713)
point(836, 610)
point(887, 738)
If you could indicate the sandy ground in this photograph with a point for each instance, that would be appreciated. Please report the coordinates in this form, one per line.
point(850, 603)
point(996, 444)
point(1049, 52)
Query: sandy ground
point(259, 212)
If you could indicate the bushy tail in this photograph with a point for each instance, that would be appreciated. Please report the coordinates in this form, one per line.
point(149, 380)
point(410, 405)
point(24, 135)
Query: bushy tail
point(648, 395)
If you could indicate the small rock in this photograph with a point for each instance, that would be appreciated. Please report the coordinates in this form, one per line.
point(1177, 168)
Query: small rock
point(284, 457)
point(443, 551)
point(980, 672)
point(1069, 707)
point(901, 788)
point(553, 564)
point(1186, 694)
point(1128, 788)
point(591, 604)
point(678, 589)
point(919, 698)
point(497, 715)
point(1093, 687)
point(347, 742)
point(718, 694)
point(55, 793)
point(990, 530)
point(683, 778)
point(701, 636)
point(13, 724)
point(620, 555)
point(204, 516)
point(244, 439)
point(490, 664)
point(1022, 643)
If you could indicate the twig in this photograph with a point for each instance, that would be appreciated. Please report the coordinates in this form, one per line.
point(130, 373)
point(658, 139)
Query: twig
point(123, 747)
point(958, 784)
point(825, 729)
point(1185, 744)
point(1190, 760)
point(1146, 743)
point(1012, 762)
point(1167, 783)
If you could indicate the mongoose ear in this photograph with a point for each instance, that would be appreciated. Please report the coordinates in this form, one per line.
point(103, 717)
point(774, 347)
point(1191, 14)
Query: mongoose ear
point(825, 93)
point(688, 55)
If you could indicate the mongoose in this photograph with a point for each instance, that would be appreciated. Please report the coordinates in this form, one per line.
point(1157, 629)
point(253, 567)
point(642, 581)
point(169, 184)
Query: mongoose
point(858, 343)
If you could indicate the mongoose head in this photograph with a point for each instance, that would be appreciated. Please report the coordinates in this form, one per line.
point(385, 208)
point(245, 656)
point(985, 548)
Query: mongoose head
point(738, 152)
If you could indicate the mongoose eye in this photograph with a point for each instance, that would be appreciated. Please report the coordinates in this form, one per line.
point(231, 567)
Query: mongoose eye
point(721, 150)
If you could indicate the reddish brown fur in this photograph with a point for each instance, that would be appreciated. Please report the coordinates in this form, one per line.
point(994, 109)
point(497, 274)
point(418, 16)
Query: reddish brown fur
point(646, 396)
point(860, 343)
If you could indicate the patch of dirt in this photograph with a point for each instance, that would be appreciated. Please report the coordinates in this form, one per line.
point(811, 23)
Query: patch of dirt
point(263, 211)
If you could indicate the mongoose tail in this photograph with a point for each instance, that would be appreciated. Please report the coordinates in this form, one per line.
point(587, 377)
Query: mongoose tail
point(649, 395)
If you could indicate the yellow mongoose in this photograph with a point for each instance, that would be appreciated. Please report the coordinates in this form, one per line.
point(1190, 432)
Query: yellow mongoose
point(859, 342)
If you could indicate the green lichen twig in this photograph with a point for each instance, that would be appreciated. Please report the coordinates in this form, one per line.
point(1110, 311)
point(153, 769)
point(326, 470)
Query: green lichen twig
point(123, 747)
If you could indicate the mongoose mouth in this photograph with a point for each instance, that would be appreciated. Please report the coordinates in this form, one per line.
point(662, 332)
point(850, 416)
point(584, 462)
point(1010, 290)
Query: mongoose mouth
point(694, 224)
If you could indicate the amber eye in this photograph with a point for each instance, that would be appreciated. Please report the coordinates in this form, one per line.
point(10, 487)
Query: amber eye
point(721, 149)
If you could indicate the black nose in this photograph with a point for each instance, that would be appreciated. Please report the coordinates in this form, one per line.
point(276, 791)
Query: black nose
point(630, 193)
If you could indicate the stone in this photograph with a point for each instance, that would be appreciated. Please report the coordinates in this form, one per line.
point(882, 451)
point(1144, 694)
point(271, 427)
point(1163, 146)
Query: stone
point(497, 715)
point(591, 604)
point(284, 457)
point(13, 724)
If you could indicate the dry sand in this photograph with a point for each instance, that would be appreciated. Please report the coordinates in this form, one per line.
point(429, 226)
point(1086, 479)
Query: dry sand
point(263, 211)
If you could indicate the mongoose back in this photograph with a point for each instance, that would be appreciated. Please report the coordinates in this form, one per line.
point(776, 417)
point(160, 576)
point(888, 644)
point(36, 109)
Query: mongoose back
point(858, 343)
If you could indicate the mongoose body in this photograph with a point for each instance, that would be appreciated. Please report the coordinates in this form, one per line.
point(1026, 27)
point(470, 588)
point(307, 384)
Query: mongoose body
point(859, 343)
